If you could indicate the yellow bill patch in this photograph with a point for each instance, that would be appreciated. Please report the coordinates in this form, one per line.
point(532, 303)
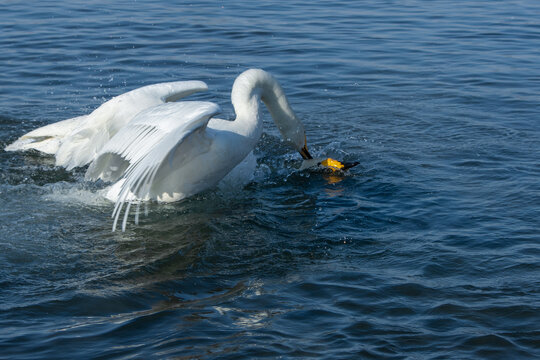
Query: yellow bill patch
point(332, 164)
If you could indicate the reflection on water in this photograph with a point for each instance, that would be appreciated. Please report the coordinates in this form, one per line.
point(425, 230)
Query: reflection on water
point(333, 179)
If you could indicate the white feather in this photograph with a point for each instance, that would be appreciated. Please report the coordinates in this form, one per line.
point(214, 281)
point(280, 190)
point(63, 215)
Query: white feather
point(46, 139)
point(145, 144)
point(75, 142)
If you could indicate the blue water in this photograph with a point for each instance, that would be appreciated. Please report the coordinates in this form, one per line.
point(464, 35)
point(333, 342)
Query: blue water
point(427, 249)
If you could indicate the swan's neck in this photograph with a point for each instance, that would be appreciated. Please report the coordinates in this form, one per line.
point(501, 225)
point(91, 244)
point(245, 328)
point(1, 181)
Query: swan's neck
point(254, 85)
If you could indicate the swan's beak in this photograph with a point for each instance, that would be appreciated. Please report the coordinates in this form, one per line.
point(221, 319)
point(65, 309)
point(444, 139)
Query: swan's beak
point(305, 153)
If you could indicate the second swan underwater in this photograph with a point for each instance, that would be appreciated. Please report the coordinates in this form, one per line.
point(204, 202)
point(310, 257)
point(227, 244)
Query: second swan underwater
point(154, 148)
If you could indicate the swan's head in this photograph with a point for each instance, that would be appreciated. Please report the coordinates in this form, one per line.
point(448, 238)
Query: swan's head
point(292, 131)
point(296, 137)
point(255, 84)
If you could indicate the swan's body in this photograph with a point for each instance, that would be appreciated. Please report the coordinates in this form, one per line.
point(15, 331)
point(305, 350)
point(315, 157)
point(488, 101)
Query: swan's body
point(152, 148)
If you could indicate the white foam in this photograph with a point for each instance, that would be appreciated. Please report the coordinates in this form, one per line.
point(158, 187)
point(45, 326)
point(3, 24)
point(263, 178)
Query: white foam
point(75, 193)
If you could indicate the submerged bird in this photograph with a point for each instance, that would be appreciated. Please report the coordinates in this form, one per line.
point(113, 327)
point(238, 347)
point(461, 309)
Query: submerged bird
point(152, 147)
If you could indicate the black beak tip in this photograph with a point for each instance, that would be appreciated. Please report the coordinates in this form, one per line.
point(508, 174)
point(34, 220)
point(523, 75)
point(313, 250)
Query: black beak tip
point(305, 153)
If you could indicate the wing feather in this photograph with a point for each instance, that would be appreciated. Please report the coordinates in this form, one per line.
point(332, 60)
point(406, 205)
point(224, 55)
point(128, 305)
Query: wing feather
point(145, 143)
point(80, 146)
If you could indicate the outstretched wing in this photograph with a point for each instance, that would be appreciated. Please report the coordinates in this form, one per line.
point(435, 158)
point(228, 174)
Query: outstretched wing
point(46, 139)
point(138, 150)
point(81, 145)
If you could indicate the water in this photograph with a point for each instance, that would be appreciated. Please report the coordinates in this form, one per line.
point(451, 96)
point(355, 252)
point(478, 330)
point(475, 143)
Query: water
point(428, 249)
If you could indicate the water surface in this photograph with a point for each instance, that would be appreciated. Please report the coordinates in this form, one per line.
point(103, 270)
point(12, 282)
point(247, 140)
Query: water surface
point(428, 249)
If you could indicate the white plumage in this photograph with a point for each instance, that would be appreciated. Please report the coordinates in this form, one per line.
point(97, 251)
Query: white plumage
point(75, 142)
point(153, 148)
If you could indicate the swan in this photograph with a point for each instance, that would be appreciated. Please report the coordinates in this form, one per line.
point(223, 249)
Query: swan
point(152, 147)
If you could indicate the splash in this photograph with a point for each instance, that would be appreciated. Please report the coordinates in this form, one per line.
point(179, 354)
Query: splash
point(75, 194)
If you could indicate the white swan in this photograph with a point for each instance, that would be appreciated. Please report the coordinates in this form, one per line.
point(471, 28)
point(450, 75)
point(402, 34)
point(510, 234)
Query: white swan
point(154, 148)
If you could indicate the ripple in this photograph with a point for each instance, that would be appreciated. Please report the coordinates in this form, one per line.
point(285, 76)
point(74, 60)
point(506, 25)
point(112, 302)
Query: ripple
point(427, 249)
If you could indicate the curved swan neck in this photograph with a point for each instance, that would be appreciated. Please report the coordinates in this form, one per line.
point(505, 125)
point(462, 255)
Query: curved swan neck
point(254, 85)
